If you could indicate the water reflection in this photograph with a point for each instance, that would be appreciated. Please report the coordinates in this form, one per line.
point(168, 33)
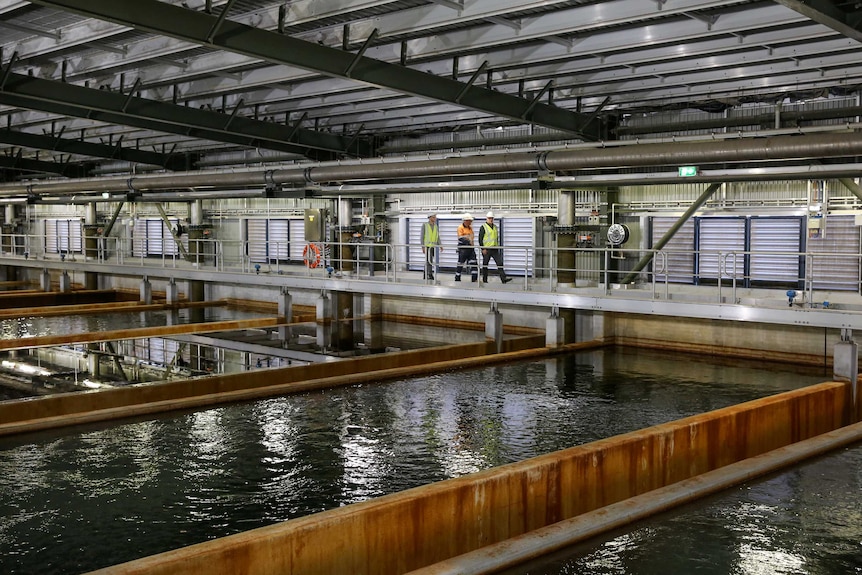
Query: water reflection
point(155, 485)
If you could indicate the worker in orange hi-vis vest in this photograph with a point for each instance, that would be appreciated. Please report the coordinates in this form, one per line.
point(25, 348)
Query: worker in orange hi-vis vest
point(466, 249)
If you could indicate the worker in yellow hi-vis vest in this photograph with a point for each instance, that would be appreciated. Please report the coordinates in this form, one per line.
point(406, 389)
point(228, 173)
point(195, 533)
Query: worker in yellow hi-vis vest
point(489, 240)
point(431, 246)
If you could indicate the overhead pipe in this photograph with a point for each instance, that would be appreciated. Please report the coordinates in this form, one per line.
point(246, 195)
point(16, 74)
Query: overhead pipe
point(664, 154)
point(788, 117)
point(581, 181)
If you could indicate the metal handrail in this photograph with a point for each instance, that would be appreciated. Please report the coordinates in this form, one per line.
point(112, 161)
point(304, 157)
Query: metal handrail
point(393, 262)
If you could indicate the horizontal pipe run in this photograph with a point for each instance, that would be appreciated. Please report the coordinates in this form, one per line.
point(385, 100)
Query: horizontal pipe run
point(815, 146)
point(523, 548)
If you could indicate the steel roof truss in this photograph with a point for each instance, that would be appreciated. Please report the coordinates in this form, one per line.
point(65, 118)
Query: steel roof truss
point(199, 27)
point(112, 107)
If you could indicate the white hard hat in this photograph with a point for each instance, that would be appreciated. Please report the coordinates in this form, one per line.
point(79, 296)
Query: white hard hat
point(489, 215)
point(468, 216)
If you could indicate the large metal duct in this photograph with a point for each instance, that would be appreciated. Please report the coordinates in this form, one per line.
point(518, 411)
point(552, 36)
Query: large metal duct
point(667, 154)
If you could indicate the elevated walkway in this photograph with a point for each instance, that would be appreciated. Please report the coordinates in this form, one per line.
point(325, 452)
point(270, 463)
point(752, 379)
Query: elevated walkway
point(719, 303)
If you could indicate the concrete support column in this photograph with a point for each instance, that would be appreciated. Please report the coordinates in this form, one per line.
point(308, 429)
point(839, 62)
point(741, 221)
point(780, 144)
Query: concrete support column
point(845, 367)
point(197, 292)
point(91, 280)
point(555, 332)
point(9, 227)
point(146, 291)
point(92, 237)
point(285, 312)
point(65, 282)
point(324, 320)
point(172, 292)
point(93, 364)
point(343, 316)
point(45, 280)
point(372, 329)
point(494, 327)
point(566, 240)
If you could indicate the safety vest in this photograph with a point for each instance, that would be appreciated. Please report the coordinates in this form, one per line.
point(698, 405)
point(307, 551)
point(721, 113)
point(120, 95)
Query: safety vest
point(431, 235)
point(489, 238)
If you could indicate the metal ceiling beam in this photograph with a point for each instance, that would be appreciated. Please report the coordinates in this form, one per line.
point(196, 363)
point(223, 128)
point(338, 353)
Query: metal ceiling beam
point(84, 148)
point(828, 14)
point(117, 108)
point(17, 163)
point(189, 25)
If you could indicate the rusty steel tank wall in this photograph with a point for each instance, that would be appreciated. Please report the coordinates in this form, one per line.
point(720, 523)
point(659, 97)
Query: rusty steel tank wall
point(419, 527)
point(132, 401)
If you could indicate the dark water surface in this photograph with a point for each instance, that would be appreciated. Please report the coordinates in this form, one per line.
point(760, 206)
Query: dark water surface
point(85, 498)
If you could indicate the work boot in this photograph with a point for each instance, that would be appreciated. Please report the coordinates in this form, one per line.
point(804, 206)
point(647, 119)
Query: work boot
point(506, 280)
point(457, 278)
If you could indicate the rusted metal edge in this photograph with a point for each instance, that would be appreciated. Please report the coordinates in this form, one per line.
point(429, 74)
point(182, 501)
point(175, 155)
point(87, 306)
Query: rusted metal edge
point(210, 399)
point(523, 548)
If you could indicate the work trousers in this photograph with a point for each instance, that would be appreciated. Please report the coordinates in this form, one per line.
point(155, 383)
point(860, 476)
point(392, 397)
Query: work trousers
point(467, 261)
point(495, 254)
point(432, 255)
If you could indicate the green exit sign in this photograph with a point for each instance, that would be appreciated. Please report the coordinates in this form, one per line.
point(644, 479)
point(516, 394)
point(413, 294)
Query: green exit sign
point(686, 171)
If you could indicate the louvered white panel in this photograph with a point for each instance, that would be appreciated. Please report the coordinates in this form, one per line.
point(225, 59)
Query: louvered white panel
point(449, 240)
point(835, 261)
point(415, 258)
point(169, 246)
point(517, 240)
point(255, 233)
point(150, 237)
point(63, 235)
point(139, 238)
point(767, 237)
point(154, 237)
point(720, 235)
point(52, 245)
point(678, 252)
point(76, 233)
point(279, 239)
point(296, 233)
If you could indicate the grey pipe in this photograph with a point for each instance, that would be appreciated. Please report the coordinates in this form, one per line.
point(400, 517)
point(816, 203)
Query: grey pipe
point(518, 550)
point(668, 154)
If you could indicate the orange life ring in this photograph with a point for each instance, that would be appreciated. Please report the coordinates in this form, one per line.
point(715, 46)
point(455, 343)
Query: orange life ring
point(311, 256)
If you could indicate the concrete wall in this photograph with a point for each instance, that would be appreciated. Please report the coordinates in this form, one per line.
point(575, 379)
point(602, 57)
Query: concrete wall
point(797, 344)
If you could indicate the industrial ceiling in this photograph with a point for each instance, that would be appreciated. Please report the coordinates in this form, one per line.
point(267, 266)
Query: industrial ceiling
point(92, 87)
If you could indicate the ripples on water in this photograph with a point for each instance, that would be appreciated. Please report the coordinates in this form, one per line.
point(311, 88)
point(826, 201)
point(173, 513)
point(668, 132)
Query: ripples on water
point(83, 499)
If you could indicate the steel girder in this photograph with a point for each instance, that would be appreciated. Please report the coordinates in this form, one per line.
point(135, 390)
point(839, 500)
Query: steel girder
point(220, 33)
point(83, 148)
point(19, 164)
point(829, 14)
point(125, 109)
